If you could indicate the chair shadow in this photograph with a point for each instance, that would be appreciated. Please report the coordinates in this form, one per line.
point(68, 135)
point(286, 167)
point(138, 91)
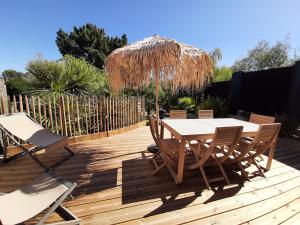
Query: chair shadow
point(163, 187)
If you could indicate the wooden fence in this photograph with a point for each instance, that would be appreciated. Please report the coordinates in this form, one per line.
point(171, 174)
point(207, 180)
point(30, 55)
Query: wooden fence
point(78, 115)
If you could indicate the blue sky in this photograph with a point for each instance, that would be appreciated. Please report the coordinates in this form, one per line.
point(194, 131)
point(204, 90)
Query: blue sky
point(29, 27)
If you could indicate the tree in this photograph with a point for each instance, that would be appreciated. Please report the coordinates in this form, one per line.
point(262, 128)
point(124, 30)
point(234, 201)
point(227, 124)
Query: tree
point(265, 56)
point(68, 75)
point(220, 73)
point(88, 42)
point(9, 74)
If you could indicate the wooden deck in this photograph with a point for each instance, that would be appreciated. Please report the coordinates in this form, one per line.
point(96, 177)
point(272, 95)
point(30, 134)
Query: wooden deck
point(115, 186)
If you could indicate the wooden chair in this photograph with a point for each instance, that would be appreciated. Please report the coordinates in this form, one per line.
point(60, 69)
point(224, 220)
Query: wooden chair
point(224, 141)
point(248, 150)
point(168, 148)
point(206, 114)
point(178, 114)
point(260, 119)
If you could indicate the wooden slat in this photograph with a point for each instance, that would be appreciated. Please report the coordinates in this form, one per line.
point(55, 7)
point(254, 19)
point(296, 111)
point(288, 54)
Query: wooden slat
point(69, 115)
point(97, 113)
point(2, 105)
point(27, 105)
point(85, 115)
point(63, 114)
point(33, 107)
point(55, 115)
point(15, 104)
point(50, 113)
point(45, 112)
point(20, 103)
point(39, 109)
point(78, 116)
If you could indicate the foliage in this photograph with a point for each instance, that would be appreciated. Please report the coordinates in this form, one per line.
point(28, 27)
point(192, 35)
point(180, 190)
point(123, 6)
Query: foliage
point(67, 75)
point(186, 103)
point(164, 98)
point(17, 85)
point(219, 106)
point(88, 42)
point(222, 73)
point(10, 74)
point(265, 56)
point(289, 125)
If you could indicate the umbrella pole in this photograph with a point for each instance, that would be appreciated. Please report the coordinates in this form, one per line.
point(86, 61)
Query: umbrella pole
point(157, 93)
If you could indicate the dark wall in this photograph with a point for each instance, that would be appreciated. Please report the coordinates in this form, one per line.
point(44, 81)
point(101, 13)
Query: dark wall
point(218, 89)
point(269, 92)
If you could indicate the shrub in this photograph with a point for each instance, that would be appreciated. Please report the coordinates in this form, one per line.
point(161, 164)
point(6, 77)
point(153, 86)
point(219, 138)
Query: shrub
point(219, 106)
point(67, 75)
point(185, 103)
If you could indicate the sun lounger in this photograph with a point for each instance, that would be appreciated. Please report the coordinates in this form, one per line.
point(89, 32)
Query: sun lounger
point(44, 192)
point(19, 126)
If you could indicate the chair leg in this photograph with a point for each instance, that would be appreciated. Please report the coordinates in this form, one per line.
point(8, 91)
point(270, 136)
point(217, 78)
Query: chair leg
point(160, 167)
point(222, 170)
point(243, 171)
point(205, 177)
point(258, 167)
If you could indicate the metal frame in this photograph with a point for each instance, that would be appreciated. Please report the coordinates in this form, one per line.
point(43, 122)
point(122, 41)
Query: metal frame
point(64, 213)
point(30, 150)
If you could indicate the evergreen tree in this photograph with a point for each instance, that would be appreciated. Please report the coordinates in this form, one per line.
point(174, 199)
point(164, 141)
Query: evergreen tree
point(88, 42)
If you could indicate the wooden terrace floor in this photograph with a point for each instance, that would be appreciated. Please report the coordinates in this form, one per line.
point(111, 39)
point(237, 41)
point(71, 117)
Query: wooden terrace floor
point(115, 186)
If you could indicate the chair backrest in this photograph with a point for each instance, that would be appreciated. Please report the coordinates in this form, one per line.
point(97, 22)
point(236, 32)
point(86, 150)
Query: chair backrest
point(25, 203)
point(266, 135)
point(178, 114)
point(260, 119)
point(206, 114)
point(154, 129)
point(226, 138)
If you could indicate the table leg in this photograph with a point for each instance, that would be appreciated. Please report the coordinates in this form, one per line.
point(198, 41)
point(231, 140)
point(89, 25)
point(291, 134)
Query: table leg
point(161, 131)
point(181, 156)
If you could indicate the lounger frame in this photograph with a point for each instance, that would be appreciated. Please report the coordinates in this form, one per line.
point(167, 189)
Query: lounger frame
point(27, 151)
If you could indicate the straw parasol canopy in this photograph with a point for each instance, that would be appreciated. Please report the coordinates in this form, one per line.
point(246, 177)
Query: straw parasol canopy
point(163, 59)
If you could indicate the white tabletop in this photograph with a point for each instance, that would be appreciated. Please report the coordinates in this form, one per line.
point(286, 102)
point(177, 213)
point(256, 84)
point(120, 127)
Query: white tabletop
point(206, 127)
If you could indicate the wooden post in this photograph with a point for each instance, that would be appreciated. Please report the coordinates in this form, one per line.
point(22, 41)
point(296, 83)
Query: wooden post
point(55, 116)
point(73, 115)
point(15, 104)
point(50, 113)
point(78, 116)
point(68, 115)
point(63, 113)
point(39, 110)
point(8, 104)
point(2, 105)
point(85, 115)
point(21, 103)
point(45, 113)
point(27, 105)
point(33, 108)
point(97, 113)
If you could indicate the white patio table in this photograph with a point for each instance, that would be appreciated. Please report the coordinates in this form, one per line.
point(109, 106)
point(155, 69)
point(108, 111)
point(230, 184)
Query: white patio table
point(185, 130)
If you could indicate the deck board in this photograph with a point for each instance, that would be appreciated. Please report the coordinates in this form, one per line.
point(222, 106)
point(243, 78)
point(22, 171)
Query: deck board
point(116, 186)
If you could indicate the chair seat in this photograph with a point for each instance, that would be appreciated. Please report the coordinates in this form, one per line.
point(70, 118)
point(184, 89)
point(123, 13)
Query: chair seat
point(41, 193)
point(170, 145)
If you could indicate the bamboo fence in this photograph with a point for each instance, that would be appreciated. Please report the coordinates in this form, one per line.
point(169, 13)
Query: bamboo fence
point(78, 115)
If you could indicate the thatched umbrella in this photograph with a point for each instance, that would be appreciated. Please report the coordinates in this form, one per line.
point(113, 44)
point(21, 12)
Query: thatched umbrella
point(163, 59)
